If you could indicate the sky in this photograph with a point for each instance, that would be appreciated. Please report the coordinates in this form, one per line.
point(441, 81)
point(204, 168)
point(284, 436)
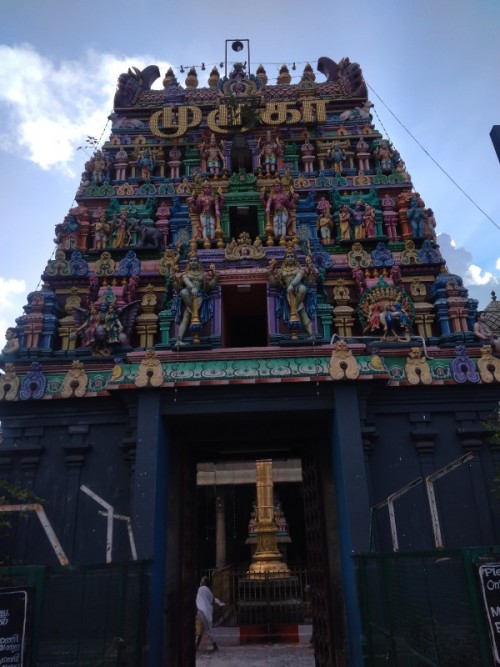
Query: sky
point(431, 68)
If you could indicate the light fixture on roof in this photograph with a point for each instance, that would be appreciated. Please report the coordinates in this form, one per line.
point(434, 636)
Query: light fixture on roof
point(238, 45)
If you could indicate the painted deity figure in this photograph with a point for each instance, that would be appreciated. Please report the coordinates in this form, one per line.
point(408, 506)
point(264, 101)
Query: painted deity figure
point(193, 306)
point(101, 327)
point(122, 232)
point(384, 154)
point(278, 208)
point(345, 223)
point(416, 217)
point(357, 218)
point(369, 221)
point(485, 335)
point(102, 229)
point(12, 345)
point(297, 304)
point(213, 155)
point(208, 205)
point(99, 168)
point(146, 163)
point(121, 164)
point(337, 157)
point(324, 224)
point(270, 150)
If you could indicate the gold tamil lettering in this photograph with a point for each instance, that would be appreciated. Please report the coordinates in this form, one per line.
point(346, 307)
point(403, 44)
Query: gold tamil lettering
point(216, 118)
point(277, 113)
point(183, 123)
point(314, 111)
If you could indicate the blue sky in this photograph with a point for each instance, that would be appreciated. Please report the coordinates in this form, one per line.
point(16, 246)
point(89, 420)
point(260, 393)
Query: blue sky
point(432, 65)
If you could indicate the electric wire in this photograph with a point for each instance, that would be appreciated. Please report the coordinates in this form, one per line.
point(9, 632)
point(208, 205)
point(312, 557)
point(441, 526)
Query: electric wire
point(419, 144)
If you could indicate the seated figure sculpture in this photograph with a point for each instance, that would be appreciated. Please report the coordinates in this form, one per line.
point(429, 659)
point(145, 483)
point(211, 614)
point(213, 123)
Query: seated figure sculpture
point(12, 344)
point(485, 335)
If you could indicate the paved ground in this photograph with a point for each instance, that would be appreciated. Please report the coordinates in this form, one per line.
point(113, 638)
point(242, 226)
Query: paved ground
point(262, 655)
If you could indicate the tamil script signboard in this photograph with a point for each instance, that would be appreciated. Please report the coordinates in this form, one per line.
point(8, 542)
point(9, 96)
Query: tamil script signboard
point(14, 607)
point(489, 577)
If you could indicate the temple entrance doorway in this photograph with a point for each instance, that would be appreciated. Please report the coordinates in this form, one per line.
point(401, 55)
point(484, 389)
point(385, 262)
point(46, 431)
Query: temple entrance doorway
point(217, 539)
point(244, 314)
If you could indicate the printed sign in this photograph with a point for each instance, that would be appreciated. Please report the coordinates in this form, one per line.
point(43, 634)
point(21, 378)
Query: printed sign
point(489, 576)
point(14, 605)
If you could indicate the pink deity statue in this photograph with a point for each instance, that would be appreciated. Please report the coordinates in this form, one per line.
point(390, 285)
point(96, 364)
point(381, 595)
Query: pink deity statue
point(369, 220)
point(279, 207)
point(307, 150)
point(174, 162)
point(363, 155)
point(212, 156)
point(390, 217)
point(121, 164)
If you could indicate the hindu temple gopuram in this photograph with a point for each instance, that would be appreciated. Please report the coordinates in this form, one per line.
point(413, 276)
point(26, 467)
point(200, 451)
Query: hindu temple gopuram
point(248, 274)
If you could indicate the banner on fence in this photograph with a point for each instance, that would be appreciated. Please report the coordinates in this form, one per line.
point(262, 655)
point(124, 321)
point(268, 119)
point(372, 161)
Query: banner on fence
point(489, 577)
point(14, 626)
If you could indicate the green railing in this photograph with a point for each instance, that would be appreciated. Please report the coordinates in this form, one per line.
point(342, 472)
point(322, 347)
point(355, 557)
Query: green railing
point(87, 616)
point(423, 609)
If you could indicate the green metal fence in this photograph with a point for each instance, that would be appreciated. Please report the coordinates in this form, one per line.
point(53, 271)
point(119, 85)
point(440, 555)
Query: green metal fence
point(423, 609)
point(88, 616)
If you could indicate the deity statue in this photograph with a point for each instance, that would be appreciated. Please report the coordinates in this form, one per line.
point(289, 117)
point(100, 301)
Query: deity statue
point(12, 344)
point(357, 219)
point(345, 223)
point(98, 167)
point(395, 322)
point(121, 164)
point(193, 306)
point(297, 302)
point(279, 205)
point(208, 205)
point(416, 216)
point(485, 335)
point(146, 163)
point(385, 155)
point(324, 224)
point(102, 230)
point(369, 220)
point(307, 150)
point(337, 157)
point(104, 325)
point(122, 231)
point(212, 155)
point(270, 151)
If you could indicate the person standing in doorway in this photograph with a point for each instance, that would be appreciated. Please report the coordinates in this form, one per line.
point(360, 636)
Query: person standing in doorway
point(205, 601)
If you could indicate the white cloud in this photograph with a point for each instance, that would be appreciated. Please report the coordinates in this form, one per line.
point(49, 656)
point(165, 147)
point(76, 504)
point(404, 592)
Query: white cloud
point(474, 277)
point(12, 293)
point(50, 108)
point(497, 265)
point(8, 287)
point(460, 261)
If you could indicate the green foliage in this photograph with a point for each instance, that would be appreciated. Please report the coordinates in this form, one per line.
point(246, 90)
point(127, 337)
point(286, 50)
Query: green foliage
point(249, 113)
point(12, 494)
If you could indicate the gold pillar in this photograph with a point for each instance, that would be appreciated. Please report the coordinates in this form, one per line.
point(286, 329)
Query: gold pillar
point(267, 560)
